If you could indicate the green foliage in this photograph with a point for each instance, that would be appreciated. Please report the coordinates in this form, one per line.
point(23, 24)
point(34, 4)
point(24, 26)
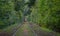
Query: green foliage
point(19, 4)
point(8, 14)
point(47, 14)
point(31, 3)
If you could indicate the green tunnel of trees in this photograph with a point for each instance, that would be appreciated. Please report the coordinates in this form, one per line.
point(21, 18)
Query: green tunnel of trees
point(44, 12)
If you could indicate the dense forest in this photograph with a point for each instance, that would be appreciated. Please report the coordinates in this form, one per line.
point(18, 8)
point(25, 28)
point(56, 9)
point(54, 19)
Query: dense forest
point(10, 12)
point(46, 13)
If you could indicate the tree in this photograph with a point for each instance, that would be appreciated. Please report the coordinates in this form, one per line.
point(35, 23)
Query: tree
point(48, 12)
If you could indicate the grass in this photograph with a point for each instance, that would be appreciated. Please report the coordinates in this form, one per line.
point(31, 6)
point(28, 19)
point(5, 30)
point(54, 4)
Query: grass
point(1, 30)
point(36, 27)
point(9, 28)
point(48, 30)
point(45, 29)
point(23, 28)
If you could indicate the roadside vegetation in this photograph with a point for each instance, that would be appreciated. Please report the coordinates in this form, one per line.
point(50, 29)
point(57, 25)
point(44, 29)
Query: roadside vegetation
point(45, 13)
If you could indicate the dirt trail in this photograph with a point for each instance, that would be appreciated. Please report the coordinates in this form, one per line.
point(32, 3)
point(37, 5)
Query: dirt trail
point(29, 29)
point(25, 30)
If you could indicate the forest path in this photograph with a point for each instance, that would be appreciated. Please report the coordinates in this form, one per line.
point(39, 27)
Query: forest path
point(25, 30)
point(30, 29)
